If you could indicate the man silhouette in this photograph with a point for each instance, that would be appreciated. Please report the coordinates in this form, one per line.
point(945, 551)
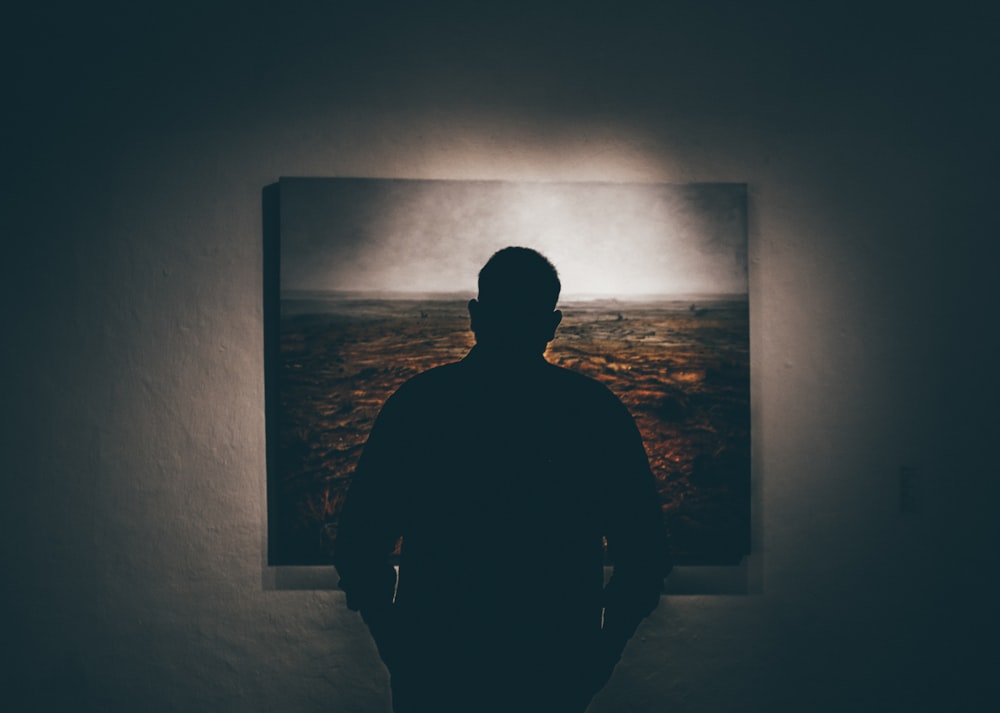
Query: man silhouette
point(504, 475)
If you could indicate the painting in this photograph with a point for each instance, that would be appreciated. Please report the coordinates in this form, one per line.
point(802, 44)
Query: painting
point(367, 282)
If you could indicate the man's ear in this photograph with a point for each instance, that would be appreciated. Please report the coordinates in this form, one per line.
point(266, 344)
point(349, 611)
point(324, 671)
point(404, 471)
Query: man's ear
point(556, 318)
point(473, 313)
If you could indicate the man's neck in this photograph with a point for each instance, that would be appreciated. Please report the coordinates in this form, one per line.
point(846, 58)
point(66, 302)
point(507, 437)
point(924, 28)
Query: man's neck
point(503, 356)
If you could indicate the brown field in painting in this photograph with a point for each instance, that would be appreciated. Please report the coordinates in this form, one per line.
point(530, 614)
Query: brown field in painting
point(681, 367)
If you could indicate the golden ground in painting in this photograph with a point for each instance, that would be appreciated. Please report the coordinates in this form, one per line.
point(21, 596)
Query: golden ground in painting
point(681, 367)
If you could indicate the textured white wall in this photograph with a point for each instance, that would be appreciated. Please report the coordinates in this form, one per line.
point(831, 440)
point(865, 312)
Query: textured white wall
point(138, 142)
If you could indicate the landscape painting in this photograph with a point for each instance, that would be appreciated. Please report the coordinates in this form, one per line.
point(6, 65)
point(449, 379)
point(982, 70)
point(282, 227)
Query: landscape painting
point(371, 278)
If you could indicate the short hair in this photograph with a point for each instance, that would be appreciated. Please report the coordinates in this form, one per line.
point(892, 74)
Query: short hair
point(519, 279)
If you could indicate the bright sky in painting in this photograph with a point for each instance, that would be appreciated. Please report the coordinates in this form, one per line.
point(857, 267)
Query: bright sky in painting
point(433, 236)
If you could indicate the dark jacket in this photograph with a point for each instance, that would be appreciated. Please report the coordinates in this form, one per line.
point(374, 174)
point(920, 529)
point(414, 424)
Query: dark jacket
point(503, 482)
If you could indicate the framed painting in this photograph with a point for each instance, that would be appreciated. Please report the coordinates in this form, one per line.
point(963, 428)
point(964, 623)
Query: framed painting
point(367, 283)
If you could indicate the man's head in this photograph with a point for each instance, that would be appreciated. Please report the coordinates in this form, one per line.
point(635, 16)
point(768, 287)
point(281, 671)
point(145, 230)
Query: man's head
point(516, 309)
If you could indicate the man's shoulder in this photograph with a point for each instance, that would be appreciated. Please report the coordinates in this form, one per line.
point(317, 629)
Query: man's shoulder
point(575, 379)
point(431, 380)
point(583, 386)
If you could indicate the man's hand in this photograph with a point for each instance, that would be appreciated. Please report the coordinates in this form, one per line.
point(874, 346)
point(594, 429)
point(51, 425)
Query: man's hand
point(606, 654)
point(382, 625)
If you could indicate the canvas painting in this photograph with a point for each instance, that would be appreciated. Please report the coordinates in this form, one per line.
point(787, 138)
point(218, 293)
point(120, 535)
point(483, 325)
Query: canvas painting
point(371, 282)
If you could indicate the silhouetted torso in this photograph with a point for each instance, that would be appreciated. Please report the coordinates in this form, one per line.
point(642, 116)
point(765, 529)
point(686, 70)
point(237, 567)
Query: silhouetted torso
point(502, 479)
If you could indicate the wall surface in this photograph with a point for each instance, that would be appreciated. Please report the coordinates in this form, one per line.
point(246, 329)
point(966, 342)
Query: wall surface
point(137, 142)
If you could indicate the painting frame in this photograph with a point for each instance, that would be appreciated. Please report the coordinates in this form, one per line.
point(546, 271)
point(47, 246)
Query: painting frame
point(276, 220)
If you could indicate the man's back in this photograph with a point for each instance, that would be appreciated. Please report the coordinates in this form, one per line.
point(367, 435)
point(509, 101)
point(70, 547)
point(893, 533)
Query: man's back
point(503, 482)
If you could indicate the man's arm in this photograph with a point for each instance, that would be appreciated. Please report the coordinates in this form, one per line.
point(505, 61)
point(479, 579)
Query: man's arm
point(637, 540)
point(370, 521)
